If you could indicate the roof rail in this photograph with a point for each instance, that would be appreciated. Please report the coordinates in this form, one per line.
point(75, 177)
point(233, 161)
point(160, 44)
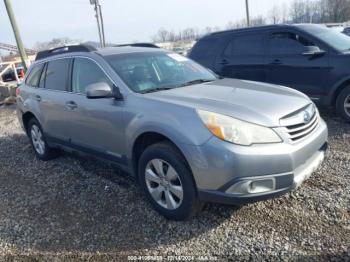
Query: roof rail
point(63, 50)
point(138, 45)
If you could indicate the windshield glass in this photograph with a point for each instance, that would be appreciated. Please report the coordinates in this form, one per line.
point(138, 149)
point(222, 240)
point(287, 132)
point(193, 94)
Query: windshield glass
point(152, 71)
point(337, 40)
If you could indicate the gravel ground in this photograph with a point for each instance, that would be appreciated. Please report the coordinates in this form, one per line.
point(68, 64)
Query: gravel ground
point(73, 208)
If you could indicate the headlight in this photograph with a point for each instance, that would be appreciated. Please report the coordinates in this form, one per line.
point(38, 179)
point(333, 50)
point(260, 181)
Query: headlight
point(237, 131)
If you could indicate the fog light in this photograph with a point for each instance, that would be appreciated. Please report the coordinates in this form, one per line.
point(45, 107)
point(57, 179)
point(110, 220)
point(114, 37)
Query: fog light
point(261, 186)
point(253, 186)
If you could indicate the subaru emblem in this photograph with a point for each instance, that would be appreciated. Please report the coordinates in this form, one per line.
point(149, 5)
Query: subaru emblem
point(307, 116)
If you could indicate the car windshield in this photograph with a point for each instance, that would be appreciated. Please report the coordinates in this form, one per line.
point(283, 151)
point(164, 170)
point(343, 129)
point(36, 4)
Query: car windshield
point(335, 39)
point(155, 71)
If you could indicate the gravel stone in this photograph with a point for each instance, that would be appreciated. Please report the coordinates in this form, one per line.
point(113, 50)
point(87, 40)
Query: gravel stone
point(74, 208)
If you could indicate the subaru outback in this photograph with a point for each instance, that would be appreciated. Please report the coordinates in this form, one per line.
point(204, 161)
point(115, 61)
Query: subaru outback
point(188, 136)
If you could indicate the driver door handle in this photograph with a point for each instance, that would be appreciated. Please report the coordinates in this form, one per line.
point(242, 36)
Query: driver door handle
point(223, 62)
point(71, 105)
point(38, 98)
point(276, 62)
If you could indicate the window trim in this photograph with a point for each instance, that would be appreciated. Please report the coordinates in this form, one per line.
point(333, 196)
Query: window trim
point(72, 57)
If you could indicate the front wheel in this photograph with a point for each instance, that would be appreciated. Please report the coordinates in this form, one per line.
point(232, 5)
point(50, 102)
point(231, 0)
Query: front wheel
point(343, 104)
point(167, 182)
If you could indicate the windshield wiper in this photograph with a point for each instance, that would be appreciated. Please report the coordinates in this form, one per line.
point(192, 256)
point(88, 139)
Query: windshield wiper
point(152, 90)
point(196, 81)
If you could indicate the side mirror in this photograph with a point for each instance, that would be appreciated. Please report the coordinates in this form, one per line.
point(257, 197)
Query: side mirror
point(313, 51)
point(102, 90)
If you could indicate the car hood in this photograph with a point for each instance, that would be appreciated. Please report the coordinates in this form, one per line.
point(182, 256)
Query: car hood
point(255, 102)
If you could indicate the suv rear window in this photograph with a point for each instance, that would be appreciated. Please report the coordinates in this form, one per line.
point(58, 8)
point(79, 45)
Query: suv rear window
point(34, 75)
point(205, 48)
point(57, 72)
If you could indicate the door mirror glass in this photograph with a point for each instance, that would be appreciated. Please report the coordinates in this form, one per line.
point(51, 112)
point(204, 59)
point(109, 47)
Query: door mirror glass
point(99, 90)
point(313, 51)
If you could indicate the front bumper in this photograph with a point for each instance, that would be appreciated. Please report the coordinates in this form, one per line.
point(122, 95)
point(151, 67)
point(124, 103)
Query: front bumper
point(223, 172)
point(287, 182)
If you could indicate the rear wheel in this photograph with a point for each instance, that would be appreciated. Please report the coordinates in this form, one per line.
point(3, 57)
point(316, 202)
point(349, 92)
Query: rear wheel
point(167, 182)
point(343, 104)
point(38, 141)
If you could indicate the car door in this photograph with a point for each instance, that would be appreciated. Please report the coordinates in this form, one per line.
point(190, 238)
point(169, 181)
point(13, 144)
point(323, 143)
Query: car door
point(243, 57)
point(51, 96)
point(95, 125)
point(290, 66)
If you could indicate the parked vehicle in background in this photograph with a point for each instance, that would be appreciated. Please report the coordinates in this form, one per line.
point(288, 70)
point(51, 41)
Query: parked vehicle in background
point(179, 50)
point(188, 136)
point(309, 58)
point(10, 74)
point(339, 27)
point(346, 31)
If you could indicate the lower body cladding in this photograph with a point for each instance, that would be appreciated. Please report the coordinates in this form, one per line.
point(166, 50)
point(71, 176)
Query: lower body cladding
point(232, 174)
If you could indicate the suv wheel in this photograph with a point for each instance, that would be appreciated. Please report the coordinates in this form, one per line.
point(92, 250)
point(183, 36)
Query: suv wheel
point(343, 104)
point(167, 182)
point(38, 141)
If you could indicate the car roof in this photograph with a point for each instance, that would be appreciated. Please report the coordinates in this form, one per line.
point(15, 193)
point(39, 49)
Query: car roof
point(263, 27)
point(86, 49)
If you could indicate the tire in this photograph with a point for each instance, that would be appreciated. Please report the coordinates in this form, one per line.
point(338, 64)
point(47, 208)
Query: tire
point(38, 141)
point(168, 204)
point(343, 104)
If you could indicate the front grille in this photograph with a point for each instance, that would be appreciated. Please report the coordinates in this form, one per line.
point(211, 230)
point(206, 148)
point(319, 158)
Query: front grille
point(297, 132)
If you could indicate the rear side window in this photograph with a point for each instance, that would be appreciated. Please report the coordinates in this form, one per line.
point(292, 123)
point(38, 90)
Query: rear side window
point(42, 77)
point(86, 72)
point(34, 75)
point(57, 72)
point(288, 43)
point(205, 48)
point(245, 45)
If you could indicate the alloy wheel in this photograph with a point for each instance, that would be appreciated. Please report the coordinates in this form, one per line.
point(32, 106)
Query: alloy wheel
point(347, 105)
point(37, 139)
point(164, 184)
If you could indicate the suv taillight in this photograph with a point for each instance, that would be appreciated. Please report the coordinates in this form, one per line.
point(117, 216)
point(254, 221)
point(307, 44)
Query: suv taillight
point(18, 91)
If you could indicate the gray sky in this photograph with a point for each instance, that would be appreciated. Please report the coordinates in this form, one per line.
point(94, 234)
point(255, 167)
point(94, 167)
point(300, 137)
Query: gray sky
point(125, 21)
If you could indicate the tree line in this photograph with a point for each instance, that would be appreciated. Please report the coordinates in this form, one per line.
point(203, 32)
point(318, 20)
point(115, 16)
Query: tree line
point(298, 11)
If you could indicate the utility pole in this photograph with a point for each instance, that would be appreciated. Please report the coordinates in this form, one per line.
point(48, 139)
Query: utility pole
point(99, 19)
point(17, 34)
point(247, 12)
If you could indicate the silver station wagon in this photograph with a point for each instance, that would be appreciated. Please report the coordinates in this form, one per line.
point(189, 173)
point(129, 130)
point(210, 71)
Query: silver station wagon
point(188, 136)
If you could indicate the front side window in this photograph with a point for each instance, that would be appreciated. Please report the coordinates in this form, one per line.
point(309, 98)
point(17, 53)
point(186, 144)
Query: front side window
point(85, 73)
point(57, 72)
point(245, 45)
point(34, 75)
point(144, 72)
point(288, 43)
